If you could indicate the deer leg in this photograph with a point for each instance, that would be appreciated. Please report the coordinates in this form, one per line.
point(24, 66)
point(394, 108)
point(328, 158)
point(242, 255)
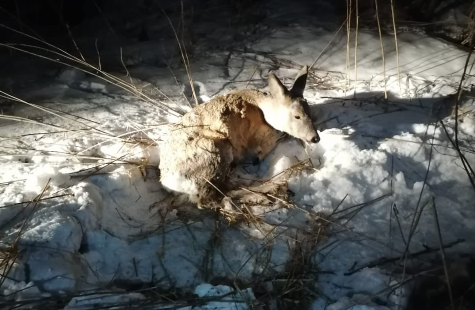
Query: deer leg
point(262, 194)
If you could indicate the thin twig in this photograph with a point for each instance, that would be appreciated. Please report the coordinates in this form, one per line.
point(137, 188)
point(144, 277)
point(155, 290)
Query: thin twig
point(466, 166)
point(329, 42)
point(348, 33)
point(184, 56)
point(396, 44)
point(356, 45)
point(417, 215)
point(465, 163)
point(74, 42)
point(105, 19)
point(384, 260)
point(255, 70)
point(92, 71)
point(14, 245)
point(338, 206)
point(442, 253)
point(382, 48)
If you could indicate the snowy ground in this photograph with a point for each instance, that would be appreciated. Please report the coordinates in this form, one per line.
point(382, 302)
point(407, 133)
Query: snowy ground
point(79, 168)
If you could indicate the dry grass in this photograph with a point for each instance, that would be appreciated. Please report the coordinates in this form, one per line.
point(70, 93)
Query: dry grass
point(11, 252)
point(291, 288)
point(294, 286)
point(396, 45)
point(242, 212)
point(8, 257)
point(470, 39)
point(382, 48)
point(442, 254)
point(299, 288)
point(357, 17)
point(184, 54)
point(44, 49)
point(348, 34)
point(75, 124)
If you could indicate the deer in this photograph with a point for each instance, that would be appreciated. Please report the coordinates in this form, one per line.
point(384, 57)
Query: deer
point(199, 151)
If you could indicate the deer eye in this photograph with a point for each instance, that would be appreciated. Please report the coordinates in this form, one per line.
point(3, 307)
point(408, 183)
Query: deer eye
point(297, 117)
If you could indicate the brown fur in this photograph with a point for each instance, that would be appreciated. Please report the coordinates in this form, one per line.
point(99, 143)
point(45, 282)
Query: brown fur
point(237, 118)
point(198, 153)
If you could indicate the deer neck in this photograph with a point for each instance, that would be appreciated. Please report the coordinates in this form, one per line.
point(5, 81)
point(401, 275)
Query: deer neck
point(273, 112)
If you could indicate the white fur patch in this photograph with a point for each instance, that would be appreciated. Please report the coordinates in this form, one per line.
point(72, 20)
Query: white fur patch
point(178, 183)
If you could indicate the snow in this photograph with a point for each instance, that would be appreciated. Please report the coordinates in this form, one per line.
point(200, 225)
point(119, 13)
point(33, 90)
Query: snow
point(84, 177)
point(45, 175)
point(238, 301)
point(104, 300)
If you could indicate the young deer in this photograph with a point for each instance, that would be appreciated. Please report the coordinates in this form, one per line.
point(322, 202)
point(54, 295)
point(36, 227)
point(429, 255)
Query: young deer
point(244, 124)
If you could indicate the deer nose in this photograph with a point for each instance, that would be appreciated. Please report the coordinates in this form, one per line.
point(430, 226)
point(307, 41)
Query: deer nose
point(315, 139)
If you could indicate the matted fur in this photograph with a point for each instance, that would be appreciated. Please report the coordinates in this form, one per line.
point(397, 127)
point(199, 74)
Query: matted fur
point(200, 149)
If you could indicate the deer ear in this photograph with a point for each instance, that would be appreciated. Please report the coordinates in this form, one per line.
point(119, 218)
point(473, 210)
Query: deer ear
point(276, 88)
point(300, 81)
